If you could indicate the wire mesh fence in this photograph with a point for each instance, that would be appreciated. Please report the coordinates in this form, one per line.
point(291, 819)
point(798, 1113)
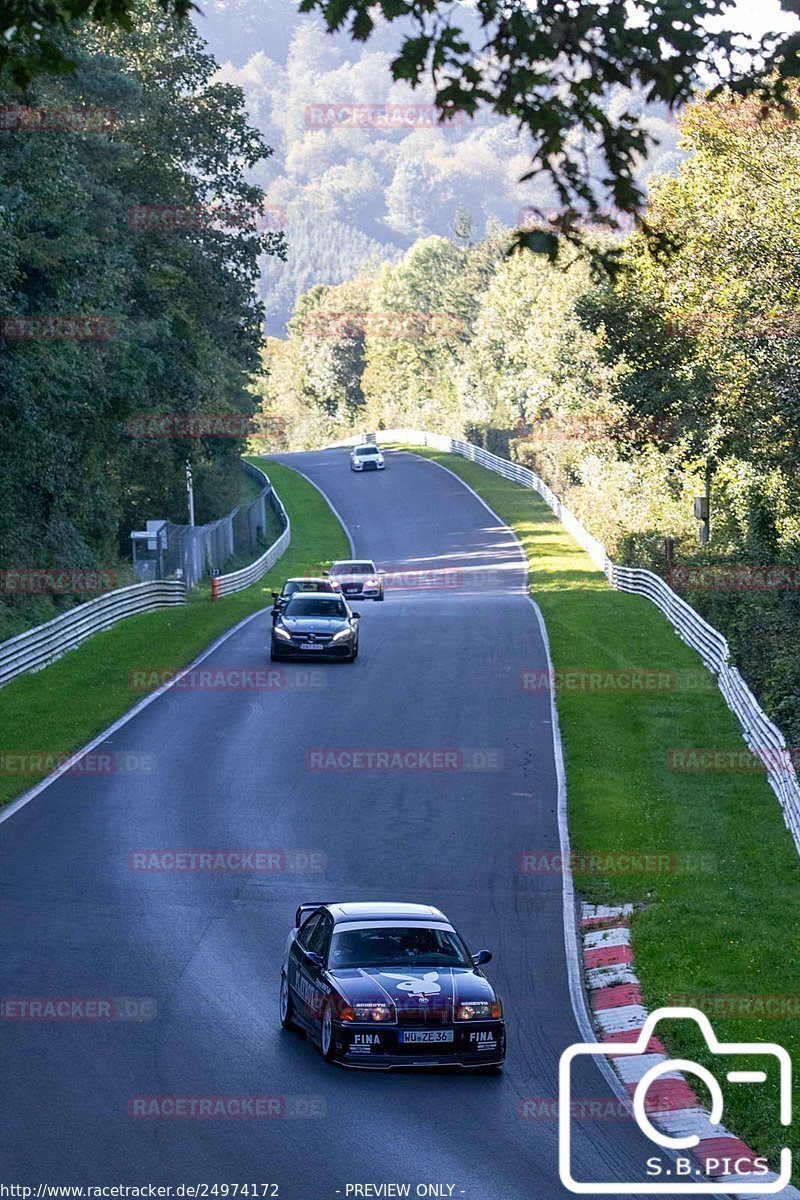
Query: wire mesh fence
point(195, 552)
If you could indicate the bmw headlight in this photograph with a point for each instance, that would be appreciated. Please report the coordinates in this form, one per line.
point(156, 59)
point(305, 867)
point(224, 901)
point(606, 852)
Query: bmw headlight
point(341, 635)
point(478, 1010)
point(374, 1012)
point(279, 631)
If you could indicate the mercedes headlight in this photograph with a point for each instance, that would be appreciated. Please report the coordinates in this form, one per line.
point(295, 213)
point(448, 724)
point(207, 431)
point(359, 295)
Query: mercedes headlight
point(279, 631)
point(341, 635)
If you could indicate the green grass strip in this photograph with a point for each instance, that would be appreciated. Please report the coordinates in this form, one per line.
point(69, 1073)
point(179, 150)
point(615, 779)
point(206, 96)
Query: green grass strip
point(59, 709)
point(722, 918)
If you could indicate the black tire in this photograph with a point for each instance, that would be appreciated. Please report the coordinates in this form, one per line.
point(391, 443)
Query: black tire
point(381, 597)
point(285, 1004)
point(326, 1040)
point(275, 657)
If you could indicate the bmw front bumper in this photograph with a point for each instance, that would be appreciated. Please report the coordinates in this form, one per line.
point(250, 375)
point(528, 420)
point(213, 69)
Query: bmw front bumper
point(473, 1044)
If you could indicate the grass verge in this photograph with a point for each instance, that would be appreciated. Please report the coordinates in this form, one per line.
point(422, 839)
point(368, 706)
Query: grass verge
point(59, 709)
point(720, 919)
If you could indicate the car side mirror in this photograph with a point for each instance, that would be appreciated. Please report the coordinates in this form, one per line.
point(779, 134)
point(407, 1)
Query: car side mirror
point(275, 595)
point(381, 571)
point(326, 574)
point(483, 956)
point(315, 959)
point(357, 616)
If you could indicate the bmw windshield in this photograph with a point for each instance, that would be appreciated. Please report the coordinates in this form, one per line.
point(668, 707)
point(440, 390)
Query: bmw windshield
point(395, 946)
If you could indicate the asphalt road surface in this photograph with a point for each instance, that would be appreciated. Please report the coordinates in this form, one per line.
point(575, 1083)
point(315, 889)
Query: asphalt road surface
point(201, 952)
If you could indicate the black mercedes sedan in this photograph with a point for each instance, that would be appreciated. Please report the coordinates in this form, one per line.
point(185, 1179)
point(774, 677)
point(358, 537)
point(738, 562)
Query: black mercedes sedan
point(389, 985)
point(315, 625)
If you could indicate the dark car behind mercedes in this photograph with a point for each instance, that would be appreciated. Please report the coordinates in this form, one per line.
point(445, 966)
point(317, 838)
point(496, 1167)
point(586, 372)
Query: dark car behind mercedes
point(389, 985)
point(301, 583)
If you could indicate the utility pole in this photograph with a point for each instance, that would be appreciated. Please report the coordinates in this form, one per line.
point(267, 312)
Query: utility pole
point(190, 491)
point(702, 507)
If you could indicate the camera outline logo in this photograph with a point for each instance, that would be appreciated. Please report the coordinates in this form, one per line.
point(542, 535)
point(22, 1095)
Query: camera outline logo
point(667, 1142)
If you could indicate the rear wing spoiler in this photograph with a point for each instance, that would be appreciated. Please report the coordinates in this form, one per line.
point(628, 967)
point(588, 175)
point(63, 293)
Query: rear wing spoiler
point(305, 910)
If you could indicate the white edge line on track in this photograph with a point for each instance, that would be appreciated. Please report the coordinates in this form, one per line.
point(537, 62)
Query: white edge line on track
point(569, 913)
point(32, 793)
point(15, 805)
point(574, 960)
point(577, 997)
point(324, 497)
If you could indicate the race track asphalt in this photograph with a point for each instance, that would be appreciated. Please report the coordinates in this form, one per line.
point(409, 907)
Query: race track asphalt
point(440, 667)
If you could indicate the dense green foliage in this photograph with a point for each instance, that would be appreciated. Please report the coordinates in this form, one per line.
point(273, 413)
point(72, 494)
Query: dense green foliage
point(179, 304)
point(362, 168)
point(622, 393)
point(546, 67)
point(549, 66)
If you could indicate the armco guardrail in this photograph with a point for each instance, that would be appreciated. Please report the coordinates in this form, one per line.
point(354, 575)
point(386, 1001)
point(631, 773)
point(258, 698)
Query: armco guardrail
point(762, 736)
point(223, 585)
point(35, 648)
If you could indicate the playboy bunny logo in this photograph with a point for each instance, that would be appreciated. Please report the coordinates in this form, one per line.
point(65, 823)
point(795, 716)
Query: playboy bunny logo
point(424, 986)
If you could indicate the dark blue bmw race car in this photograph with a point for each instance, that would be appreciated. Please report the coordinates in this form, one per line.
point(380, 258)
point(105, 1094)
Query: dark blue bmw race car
point(389, 985)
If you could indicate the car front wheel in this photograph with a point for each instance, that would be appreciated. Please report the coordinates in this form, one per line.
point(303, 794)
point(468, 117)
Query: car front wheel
point(326, 1034)
point(285, 1003)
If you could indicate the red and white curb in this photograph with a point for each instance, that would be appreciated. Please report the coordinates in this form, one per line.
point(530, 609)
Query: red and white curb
point(619, 1015)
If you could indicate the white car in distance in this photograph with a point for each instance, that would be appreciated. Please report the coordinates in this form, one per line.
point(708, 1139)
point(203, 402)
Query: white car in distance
point(367, 457)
